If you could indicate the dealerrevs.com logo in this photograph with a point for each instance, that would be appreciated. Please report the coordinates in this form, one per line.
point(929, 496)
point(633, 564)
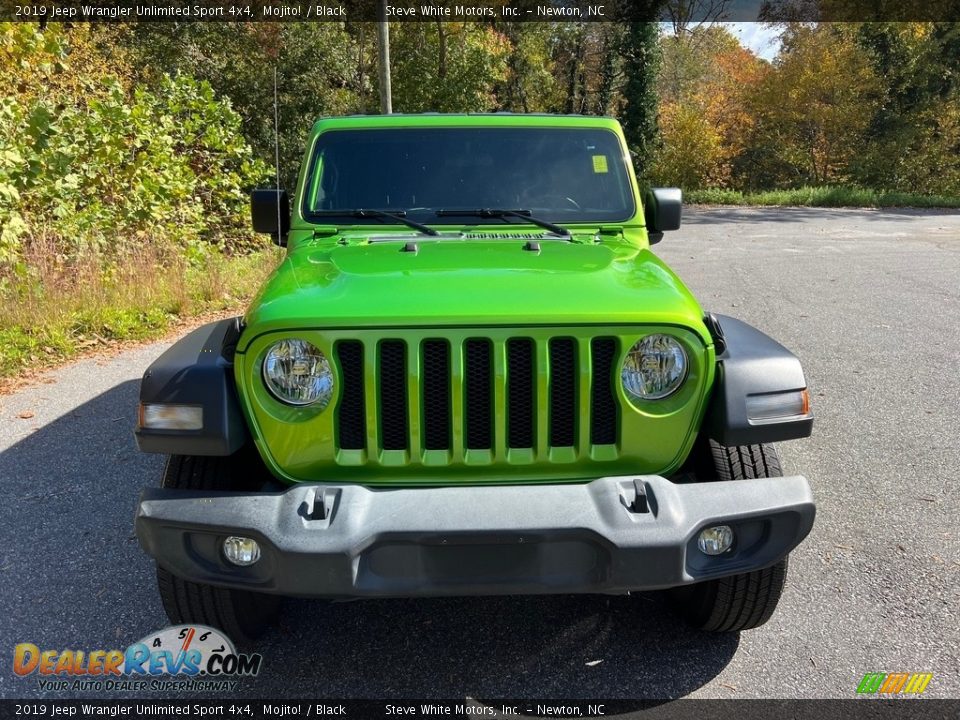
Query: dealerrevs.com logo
point(179, 657)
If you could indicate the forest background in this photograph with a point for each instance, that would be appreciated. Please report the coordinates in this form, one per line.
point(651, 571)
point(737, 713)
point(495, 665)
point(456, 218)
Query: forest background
point(127, 151)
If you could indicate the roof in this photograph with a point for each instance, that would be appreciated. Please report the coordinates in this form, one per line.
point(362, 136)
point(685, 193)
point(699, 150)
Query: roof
point(466, 120)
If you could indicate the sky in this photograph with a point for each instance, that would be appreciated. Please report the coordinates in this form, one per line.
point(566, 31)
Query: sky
point(760, 38)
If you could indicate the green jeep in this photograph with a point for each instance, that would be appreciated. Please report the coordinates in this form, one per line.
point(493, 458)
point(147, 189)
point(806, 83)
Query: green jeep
point(470, 375)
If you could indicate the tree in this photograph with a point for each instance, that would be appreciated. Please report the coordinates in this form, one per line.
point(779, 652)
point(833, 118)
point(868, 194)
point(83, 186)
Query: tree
point(687, 14)
point(609, 68)
point(638, 115)
point(529, 84)
point(92, 164)
point(705, 81)
point(813, 111)
point(692, 153)
point(914, 140)
point(446, 66)
point(689, 60)
point(316, 71)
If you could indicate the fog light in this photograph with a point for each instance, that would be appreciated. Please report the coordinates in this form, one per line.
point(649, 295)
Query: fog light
point(241, 551)
point(715, 540)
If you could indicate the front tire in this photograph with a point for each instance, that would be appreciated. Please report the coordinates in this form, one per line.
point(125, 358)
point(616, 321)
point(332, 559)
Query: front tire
point(738, 602)
point(242, 615)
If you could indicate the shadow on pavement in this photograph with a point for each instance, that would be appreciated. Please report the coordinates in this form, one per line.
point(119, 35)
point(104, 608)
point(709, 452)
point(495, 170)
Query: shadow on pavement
point(497, 647)
point(75, 577)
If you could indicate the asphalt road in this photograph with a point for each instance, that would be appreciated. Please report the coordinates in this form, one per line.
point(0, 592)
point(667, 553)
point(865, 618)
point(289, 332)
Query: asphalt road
point(869, 300)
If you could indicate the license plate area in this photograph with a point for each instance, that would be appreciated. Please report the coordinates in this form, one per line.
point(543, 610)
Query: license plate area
point(484, 563)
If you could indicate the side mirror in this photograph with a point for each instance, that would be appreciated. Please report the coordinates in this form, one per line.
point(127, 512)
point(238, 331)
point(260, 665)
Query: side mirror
point(264, 204)
point(662, 212)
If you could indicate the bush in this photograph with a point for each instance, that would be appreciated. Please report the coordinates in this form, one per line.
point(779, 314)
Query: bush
point(97, 166)
point(122, 208)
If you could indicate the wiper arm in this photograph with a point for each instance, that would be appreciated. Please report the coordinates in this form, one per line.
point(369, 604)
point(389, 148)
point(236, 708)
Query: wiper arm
point(399, 216)
point(501, 213)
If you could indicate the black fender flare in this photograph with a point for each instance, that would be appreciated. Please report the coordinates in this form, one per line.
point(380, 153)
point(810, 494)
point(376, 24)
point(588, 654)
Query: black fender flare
point(197, 370)
point(751, 363)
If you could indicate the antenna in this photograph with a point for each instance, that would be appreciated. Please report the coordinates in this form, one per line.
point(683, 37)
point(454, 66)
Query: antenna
point(276, 144)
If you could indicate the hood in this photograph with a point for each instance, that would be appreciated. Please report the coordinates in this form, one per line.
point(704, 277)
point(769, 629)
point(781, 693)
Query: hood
point(471, 281)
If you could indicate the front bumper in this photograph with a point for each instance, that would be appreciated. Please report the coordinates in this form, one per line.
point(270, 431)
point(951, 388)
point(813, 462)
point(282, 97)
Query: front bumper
point(611, 535)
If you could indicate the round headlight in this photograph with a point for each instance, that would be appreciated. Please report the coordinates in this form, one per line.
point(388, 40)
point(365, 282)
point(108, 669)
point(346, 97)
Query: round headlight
point(655, 367)
point(297, 373)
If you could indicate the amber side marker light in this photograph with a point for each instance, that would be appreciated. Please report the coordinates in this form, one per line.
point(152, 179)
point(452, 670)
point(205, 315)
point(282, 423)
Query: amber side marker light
point(156, 416)
point(777, 407)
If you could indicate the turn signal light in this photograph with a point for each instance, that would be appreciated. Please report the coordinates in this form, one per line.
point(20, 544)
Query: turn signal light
point(777, 407)
point(155, 416)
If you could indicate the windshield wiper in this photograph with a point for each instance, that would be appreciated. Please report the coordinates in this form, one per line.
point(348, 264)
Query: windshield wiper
point(500, 213)
point(399, 216)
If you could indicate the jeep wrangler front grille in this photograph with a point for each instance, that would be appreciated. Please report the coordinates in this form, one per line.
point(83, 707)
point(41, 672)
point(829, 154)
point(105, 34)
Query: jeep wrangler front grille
point(603, 401)
point(350, 415)
point(478, 398)
point(436, 394)
point(563, 392)
point(393, 395)
point(521, 383)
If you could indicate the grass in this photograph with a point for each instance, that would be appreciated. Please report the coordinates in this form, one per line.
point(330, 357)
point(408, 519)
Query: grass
point(826, 196)
point(56, 309)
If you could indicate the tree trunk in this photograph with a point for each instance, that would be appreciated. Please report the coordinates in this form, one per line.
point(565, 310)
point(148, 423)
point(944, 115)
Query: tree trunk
point(442, 51)
point(573, 77)
point(641, 58)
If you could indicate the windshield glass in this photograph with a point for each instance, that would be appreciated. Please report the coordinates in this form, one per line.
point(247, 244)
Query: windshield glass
point(559, 174)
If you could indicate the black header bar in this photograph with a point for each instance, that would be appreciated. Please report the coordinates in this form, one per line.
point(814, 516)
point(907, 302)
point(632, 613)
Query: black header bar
point(472, 709)
point(471, 10)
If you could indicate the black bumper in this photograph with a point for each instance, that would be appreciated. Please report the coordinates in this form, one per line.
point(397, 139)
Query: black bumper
point(347, 541)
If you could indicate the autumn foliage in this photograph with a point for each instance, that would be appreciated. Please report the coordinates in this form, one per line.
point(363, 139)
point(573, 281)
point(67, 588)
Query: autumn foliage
point(866, 104)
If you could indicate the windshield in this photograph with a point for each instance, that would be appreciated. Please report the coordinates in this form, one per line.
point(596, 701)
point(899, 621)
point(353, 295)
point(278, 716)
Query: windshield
point(566, 175)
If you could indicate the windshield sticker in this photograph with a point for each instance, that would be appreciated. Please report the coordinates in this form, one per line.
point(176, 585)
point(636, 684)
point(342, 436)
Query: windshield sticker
point(600, 163)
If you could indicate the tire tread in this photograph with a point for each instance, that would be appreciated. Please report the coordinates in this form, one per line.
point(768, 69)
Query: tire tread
point(241, 615)
point(745, 601)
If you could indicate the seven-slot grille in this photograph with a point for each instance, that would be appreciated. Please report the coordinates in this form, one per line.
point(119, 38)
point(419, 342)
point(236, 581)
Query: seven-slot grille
point(437, 394)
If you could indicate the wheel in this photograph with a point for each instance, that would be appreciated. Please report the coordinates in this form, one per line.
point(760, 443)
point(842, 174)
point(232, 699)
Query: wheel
point(738, 602)
point(242, 615)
